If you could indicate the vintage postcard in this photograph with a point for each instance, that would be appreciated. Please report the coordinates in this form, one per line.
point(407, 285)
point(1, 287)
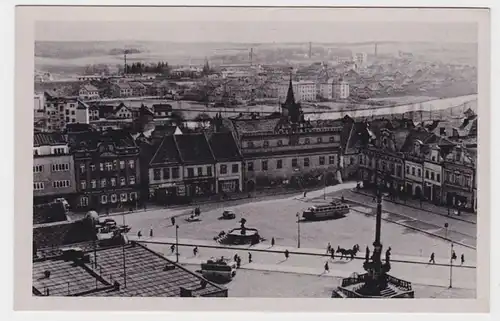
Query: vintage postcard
point(256, 153)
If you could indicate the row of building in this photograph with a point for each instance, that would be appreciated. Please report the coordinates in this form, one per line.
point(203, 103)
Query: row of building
point(246, 153)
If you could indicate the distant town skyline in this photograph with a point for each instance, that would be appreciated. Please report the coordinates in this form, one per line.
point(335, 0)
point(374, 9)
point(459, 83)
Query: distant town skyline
point(256, 32)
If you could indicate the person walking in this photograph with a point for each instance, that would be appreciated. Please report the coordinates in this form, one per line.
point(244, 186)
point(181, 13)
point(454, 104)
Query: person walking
point(235, 257)
point(238, 261)
point(305, 194)
point(432, 259)
point(462, 259)
point(139, 234)
point(272, 242)
point(172, 219)
point(327, 268)
point(172, 248)
point(195, 250)
point(287, 254)
point(151, 232)
point(328, 248)
point(332, 254)
point(249, 257)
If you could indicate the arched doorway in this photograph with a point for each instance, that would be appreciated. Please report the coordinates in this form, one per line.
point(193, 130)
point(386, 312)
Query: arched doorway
point(250, 186)
point(418, 192)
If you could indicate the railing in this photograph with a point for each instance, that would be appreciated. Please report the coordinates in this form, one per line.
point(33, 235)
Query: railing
point(354, 280)
point(401, 284)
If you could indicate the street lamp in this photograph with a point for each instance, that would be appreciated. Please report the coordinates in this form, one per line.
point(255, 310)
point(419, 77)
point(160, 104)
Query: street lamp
point(446, 231)
point(176, 244)
point(451, 266)
point(298, 230)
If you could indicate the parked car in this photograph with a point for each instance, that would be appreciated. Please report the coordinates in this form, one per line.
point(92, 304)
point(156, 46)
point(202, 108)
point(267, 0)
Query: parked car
point(228, 215)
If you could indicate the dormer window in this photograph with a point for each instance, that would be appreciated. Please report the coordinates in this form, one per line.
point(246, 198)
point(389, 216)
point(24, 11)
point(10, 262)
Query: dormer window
point(266, 143)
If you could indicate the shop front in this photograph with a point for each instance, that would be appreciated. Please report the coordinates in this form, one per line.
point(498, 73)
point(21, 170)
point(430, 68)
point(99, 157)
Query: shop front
point(168, 193)
point(199, 187)
point(229, 185)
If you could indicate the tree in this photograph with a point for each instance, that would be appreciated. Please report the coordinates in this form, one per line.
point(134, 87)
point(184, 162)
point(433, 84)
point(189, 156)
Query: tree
point(178, 118)
point(203, 120)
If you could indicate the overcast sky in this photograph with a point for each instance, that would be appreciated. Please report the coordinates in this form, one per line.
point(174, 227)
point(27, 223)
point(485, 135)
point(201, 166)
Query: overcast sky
point(259, 31)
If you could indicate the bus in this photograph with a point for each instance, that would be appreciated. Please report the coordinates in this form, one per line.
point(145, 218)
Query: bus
point(326, 211)
point(219, 269)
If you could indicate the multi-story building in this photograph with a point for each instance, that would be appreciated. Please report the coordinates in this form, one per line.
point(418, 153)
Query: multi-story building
point(138, 88)
point(107, 169)
point(229, 163)
point(53, 168)
point(61, 111)
point(198, 164)
point(341, 90)
point(88, 92)
point(433, 169)
point(326, 89)
point(304, 91)
point(459, 169)
point(282, 149)
point(360, 58)
point(414, 170)
point(166, 180)
point(121, 89)
point(162, 110)
point(122, 112)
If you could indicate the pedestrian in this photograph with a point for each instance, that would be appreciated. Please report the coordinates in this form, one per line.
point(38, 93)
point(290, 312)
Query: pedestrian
point(432, 258)
point(235, 257)
point(172, 248)
point(238, 261)
point(462, 259)
point(151, 232)
point(139, 234)
point(328, 248)
point(453, 255)
point(342, 199)
point(305, 194)
point(172, 219)
point(332, 254)
point(287, 254)
point(195, 250)
point(327, 268)
point(249, 257)
point(272, 241)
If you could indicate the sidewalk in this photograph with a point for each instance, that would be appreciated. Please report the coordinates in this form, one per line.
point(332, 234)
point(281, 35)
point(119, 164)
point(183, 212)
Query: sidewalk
point(428, 207)
point(265, 247)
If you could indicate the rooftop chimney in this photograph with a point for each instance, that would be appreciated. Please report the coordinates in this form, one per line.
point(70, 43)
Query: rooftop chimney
point(186, 293)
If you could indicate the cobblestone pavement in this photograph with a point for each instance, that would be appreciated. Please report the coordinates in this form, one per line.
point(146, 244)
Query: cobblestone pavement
point(423, 274)
point(251, 283)
point(457, 231)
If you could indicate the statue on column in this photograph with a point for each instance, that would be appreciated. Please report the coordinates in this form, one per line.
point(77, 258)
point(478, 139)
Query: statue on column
point(367, 255)
point(388, 255)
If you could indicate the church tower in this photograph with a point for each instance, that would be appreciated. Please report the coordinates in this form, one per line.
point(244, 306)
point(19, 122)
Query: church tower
point(290, 108)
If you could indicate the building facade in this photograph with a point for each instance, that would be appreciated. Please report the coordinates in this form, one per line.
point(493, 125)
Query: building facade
point(121, 89)
point(433, 169)
point(303, 90)
point(107, 169)
point(61, 111)
point(53, 168)
point(88, 92)
point(229, 163)
point(341, 90)
point(459, 169)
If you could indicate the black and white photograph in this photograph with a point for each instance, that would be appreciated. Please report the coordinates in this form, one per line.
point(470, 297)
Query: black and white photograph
point(296, 158)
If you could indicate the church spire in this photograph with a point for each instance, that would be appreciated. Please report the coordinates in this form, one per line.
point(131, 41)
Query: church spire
point(290, 98)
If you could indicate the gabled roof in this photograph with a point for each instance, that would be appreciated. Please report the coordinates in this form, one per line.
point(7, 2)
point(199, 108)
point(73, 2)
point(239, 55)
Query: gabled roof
point(123, 85)
point(120, 106)
point(48, 139)
point(167, 152)
point(136, 85)
point(89, 87)
point(255, 125)
point(194, 149)
point(162, 107)
point(91, 140)
point(224, 147)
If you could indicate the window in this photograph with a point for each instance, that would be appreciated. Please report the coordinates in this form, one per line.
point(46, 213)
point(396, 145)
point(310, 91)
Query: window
point(103, 182)
point(322, 160)
point(223, 169)
point(92, 167)
point(101, 167)
point(331, 159)
point(433, 158)
point(413, 171)
point(104, 199)
point(332, 139)
point(209, 170)
point(419, 172)
point(131, 164)
point(84, 201)
point(294, 162)
point(319, 140)
point(407, 169)
point(307, 141)
point(190, 172)
point(306, 162)
point(438, 177)
point(131, 180)
point(175, 172)
point(83, 184)
point(35, 151)
point(200, 171)
point(60, 167)
point(264, 165)
point(432, 175)
point(123, 197)
point(123, 182)
point(37, 168)
point(72, 112)
point(426, 174)
point(250, 166)
point(109, 166)
point(60, 184)
point(122, 164)
point(250, 144)
point(156, 174)
point(166, 173)
point(93, 183)
point(113, 198)
point(67, 111)
point(113, 181)
point(266, 143)
point(280, 142)
point(399, 171)
point(67, 119)
point(235, 168)
point(38, 186)
point(279, 164)
point(82, 168)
